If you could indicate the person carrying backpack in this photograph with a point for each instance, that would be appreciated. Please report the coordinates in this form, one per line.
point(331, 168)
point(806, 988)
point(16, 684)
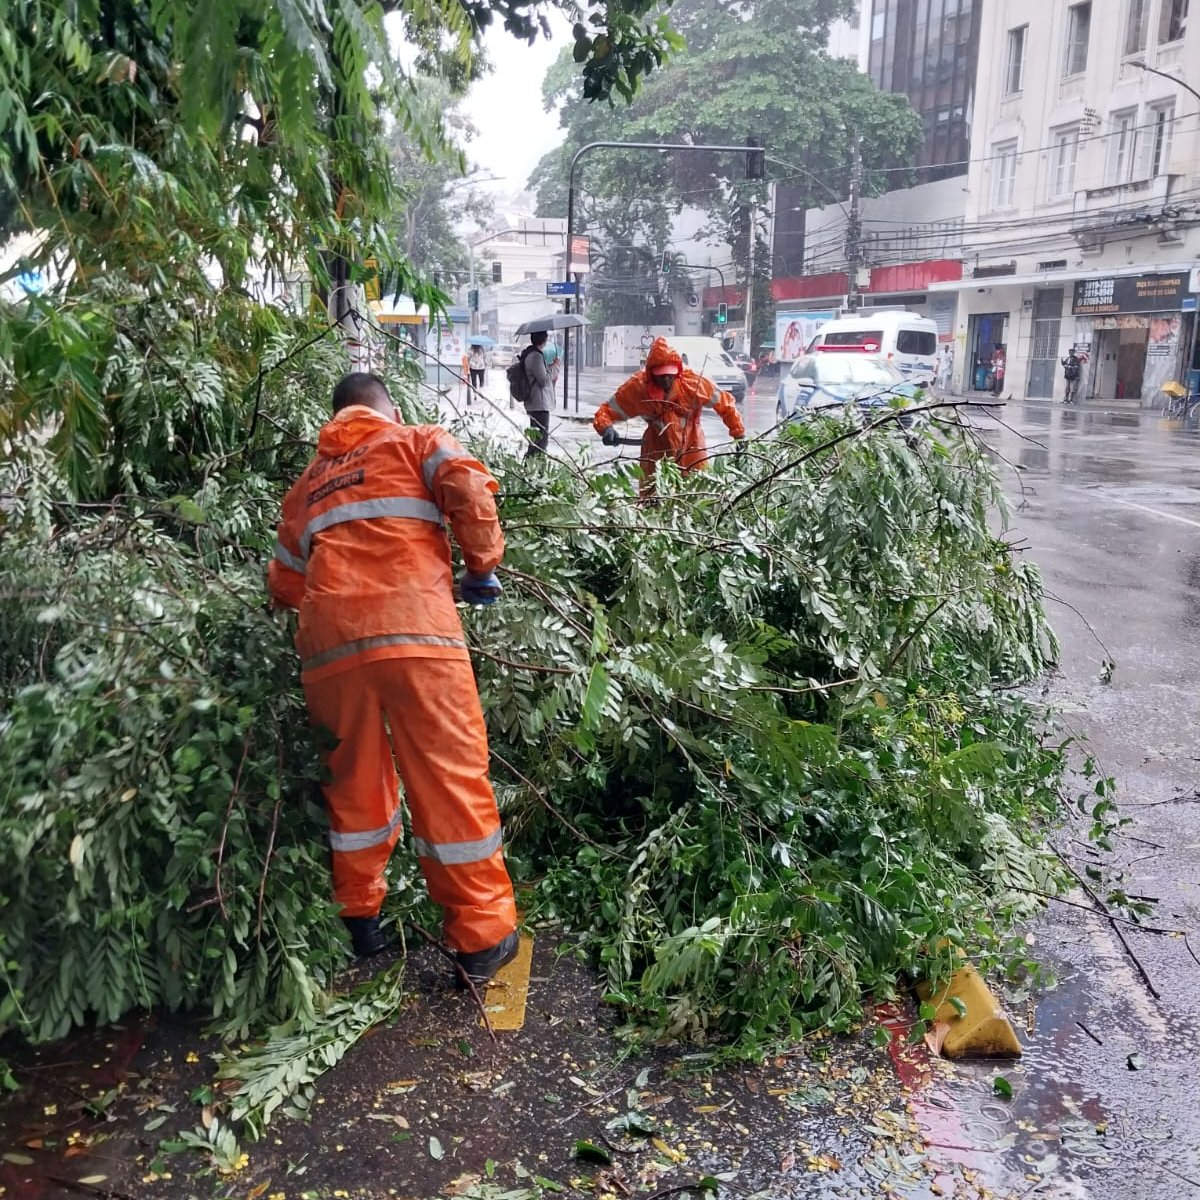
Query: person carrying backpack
point(1072, 369)
point(529, 382)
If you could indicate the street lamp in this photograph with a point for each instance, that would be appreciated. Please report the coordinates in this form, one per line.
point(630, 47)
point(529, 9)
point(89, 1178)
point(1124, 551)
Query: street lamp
point(754, 170)
point(1187, 87)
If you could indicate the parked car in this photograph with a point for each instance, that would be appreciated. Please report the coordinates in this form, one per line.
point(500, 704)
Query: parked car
point(828, 380)
point(502, 354)
point(707, 357)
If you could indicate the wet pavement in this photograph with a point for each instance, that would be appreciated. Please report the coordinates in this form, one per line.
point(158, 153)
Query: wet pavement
point(1105, 1102)
point(1106, 1097)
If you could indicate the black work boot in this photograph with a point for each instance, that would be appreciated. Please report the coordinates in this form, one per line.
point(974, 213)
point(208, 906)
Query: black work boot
point(367, 935)
point(481, 965)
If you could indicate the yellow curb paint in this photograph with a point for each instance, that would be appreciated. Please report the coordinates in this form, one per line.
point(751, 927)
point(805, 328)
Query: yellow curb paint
point(984, 1032)
point(508, 992)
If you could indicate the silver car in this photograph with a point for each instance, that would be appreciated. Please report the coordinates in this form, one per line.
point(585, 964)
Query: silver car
point(828, 379)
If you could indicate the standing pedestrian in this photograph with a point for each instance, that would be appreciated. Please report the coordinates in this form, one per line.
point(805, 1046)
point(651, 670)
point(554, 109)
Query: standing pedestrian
point(541, 394)
point(362, 553)
point(1072, 369)
point(999, 365)
point(477, 364)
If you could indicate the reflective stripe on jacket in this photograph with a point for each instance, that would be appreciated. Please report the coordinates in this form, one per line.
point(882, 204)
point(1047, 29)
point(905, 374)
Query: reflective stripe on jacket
point(362, 550)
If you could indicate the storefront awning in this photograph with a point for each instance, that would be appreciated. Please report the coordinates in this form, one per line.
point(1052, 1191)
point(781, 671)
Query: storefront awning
point(1051, 278)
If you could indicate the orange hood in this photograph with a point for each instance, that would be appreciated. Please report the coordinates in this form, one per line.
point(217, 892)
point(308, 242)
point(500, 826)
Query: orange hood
point(661, 355)
point(348, 428)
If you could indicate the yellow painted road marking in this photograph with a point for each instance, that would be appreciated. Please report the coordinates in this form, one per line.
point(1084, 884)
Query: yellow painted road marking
point(508, 992)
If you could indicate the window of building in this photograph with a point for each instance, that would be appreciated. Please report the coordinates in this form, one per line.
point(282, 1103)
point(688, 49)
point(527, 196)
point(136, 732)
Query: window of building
point(1079, 29)
point(1137, 21)
point(1064, 153)
point(1004, 179)
point(1014, 71)
point(1172, 20)
point(1122, 146)
point(1161, 120)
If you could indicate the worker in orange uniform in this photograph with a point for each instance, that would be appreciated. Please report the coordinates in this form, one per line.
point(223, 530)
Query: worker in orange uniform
point(363, 555)
point(671, 398)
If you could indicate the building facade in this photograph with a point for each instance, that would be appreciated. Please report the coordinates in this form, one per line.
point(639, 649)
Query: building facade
point(1083, 198)
point(928, 51)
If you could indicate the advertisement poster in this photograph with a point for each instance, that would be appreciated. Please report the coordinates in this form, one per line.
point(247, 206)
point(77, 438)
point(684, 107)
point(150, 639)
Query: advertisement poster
point(1129, 294)
point(1164, 335)
point(794, 331)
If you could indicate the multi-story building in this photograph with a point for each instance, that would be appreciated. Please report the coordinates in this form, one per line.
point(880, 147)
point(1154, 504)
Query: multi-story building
point(928, 51)
point(1083, 197)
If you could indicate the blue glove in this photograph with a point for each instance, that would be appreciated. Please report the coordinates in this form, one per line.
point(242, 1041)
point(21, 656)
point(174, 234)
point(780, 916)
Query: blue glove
point(610, 437)
point(480, 589)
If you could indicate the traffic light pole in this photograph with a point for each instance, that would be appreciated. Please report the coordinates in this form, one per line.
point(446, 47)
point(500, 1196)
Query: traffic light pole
point(706, 267)
point(754, 162)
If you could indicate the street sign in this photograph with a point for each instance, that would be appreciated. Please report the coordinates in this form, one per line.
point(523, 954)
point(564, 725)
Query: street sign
point(561, 288)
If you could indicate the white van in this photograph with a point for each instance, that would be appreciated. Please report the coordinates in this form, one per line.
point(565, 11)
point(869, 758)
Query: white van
point(908, 341)
point(706, 356)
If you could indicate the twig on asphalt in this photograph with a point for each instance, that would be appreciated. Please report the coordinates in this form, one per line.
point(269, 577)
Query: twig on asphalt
point(594, 1101)
point(1188, 947)
point(1097, 1040)
point(674, 1191)
point(1102, 909)
point(452, 958)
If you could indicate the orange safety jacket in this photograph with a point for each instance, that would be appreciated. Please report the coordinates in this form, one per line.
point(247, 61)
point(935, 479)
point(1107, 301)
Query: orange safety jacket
point(362, 550)
point(672, 422)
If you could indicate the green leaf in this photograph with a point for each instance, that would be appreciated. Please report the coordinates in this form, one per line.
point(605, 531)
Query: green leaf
point(1002, 1087)
point(587, 1151)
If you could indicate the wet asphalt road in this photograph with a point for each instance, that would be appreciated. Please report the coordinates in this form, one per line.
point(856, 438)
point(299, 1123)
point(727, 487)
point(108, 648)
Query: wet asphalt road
point(1109, 503)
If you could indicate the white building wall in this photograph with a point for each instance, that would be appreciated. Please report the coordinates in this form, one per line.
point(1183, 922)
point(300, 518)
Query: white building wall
point(1129, 207)
point(852, 39)
point(907, 225)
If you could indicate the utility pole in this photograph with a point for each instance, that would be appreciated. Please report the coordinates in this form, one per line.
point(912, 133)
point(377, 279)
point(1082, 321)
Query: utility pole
point(854, 226)
point(748, 307)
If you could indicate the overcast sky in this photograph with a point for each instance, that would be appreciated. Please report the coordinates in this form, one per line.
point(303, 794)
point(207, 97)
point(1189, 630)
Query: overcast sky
point(506, 108)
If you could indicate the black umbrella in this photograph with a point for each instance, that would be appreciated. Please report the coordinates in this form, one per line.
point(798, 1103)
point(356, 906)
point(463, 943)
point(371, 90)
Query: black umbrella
point(557, 320)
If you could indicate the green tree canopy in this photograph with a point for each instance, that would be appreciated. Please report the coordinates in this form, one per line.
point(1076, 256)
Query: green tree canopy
point(751, 67)
point(169, 163)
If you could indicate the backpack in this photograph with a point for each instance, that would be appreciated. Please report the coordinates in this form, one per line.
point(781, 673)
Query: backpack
point(1071, 371)
point(520, 386)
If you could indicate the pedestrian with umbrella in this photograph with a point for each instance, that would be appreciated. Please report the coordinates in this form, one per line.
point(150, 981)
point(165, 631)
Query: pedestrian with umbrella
point(530, 379)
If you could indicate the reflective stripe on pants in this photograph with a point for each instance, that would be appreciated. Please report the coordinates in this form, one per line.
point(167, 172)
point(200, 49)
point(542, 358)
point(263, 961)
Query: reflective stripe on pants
point(431, 706)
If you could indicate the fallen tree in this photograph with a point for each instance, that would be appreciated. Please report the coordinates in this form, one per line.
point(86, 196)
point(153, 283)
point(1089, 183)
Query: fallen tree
point(754, 744)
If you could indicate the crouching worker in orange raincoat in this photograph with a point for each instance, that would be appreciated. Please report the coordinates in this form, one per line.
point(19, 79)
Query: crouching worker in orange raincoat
point(671, 398)
point(363, 555)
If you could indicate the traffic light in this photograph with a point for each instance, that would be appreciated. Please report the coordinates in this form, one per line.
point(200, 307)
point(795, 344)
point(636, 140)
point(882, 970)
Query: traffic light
point(473, 299)
point(756, 159)
point(497, 272)
point(722, 313)
point(666, 262)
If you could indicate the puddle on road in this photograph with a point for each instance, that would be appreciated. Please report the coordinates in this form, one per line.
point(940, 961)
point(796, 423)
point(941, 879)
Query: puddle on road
point(1081, 1123)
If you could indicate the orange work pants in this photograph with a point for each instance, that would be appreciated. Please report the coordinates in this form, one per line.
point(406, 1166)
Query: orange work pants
point(439, 742)
point(691, 454)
